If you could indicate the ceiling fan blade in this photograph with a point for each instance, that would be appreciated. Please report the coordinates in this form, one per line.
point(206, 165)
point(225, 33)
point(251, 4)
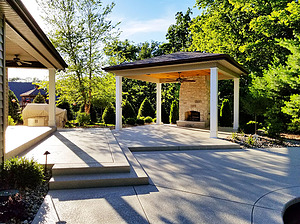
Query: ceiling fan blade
point(26, 62)
point(19, 63)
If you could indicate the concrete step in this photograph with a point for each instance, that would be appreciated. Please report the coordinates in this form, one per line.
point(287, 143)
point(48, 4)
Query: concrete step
point(90, 168)
point(98, 180)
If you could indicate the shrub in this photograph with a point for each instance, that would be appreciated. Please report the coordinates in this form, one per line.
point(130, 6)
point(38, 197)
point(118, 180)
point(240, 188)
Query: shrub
point(127, 110)
point(64, 104)
point(174, 112)
point(39, 98)
point(225, 114)
point(148, 119)
point(11, 121)
point(83, 118)
point(154, 120)
point(109, 114)
point(14, 109)
point(146, 109)
point(140, 121)
point(130, 121)
point(21, 173)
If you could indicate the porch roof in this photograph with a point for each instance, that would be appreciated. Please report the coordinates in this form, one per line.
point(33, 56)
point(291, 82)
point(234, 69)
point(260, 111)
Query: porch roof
point(166, 67)
point(24, 37)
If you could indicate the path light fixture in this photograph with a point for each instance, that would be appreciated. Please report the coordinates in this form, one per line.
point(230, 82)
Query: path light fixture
point(46, 154)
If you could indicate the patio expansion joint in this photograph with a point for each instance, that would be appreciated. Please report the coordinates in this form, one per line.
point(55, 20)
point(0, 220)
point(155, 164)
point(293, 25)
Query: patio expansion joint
point(137, 196)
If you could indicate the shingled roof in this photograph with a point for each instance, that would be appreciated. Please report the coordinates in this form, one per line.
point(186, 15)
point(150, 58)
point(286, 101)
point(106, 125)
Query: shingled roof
point(175, 58)
point(34, 92)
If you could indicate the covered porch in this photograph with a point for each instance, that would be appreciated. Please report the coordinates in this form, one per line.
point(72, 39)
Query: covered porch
point(24, 45)
point(183, 67)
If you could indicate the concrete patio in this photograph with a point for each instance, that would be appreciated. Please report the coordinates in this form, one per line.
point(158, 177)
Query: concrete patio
point(228, 185)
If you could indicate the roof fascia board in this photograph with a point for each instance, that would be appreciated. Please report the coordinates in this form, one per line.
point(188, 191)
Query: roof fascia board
point(228, 71)
point(166, 69)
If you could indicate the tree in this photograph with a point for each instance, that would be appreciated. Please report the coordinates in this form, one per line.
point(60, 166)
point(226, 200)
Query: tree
point(14, 109)
point(109, 115)
point(39, 98)
point(146, 109)
point(178, 35)
point(79, 30)
point(225, 114)
point(246, 30)
point(174, 113)
point(127, 110)
point(280, 85)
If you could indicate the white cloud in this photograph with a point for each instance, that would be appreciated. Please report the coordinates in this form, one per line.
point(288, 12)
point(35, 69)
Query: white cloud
point(137, 27)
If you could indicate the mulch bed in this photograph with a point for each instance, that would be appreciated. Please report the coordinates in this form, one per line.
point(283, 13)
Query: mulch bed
point(22, 207)
point(259, 141)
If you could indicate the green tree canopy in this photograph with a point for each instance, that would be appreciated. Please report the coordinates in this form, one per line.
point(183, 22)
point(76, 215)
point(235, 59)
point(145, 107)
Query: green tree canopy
point(79, 29)
point(280, 85)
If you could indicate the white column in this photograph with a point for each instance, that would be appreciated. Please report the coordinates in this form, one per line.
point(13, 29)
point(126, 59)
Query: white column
point(118, 103)
point(236, 104)
point(213, 102)
point(158, 103)
point(52, 109)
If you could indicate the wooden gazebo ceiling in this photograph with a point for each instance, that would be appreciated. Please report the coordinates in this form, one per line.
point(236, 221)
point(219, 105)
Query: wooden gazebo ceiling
point(166, 77)
point(166, 68)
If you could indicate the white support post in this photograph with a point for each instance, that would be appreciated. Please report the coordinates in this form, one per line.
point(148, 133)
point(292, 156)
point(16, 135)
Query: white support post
point(118, 103)
point(52, 108)
point(214, 102)
point(158, 103)
point(236, 105)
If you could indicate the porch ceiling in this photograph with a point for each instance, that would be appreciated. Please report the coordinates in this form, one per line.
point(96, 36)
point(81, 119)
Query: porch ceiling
point(23, 37)
point(166, 68)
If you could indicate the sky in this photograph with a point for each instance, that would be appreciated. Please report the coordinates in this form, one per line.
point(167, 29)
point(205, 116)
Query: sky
point(141, 20)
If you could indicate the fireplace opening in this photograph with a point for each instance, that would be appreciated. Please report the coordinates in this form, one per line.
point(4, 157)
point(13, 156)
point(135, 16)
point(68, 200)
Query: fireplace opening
point(192, 116)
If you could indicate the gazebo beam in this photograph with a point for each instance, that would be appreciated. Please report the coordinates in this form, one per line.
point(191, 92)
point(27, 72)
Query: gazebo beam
point(214, 102)
point(118, 103)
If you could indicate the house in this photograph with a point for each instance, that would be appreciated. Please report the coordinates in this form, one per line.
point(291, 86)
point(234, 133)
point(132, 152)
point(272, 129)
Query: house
point(22, 39)
point(25, 92)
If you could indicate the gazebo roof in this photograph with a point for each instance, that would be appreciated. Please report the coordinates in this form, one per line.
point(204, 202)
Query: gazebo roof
point(161, 68)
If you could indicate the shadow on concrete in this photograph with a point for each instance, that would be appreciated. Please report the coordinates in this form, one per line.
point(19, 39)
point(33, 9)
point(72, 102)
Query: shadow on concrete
point(77, 150)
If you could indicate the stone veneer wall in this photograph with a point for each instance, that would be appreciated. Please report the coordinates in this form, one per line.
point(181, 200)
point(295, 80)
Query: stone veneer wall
point(195, 96)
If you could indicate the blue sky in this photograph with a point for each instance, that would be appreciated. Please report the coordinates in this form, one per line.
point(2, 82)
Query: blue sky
point(141, 20)
point(144, 20)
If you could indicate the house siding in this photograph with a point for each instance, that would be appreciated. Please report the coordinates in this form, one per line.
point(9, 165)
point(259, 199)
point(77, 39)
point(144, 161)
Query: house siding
point(3, 87)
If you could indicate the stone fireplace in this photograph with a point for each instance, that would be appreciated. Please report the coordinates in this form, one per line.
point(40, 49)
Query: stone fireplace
point(194, 103)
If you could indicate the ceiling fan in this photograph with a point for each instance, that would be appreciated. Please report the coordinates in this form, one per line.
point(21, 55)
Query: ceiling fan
point(18, 61)
point(181, 80)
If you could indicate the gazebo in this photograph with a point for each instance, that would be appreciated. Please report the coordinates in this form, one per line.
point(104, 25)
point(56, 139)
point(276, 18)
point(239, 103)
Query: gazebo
point(204, 69)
